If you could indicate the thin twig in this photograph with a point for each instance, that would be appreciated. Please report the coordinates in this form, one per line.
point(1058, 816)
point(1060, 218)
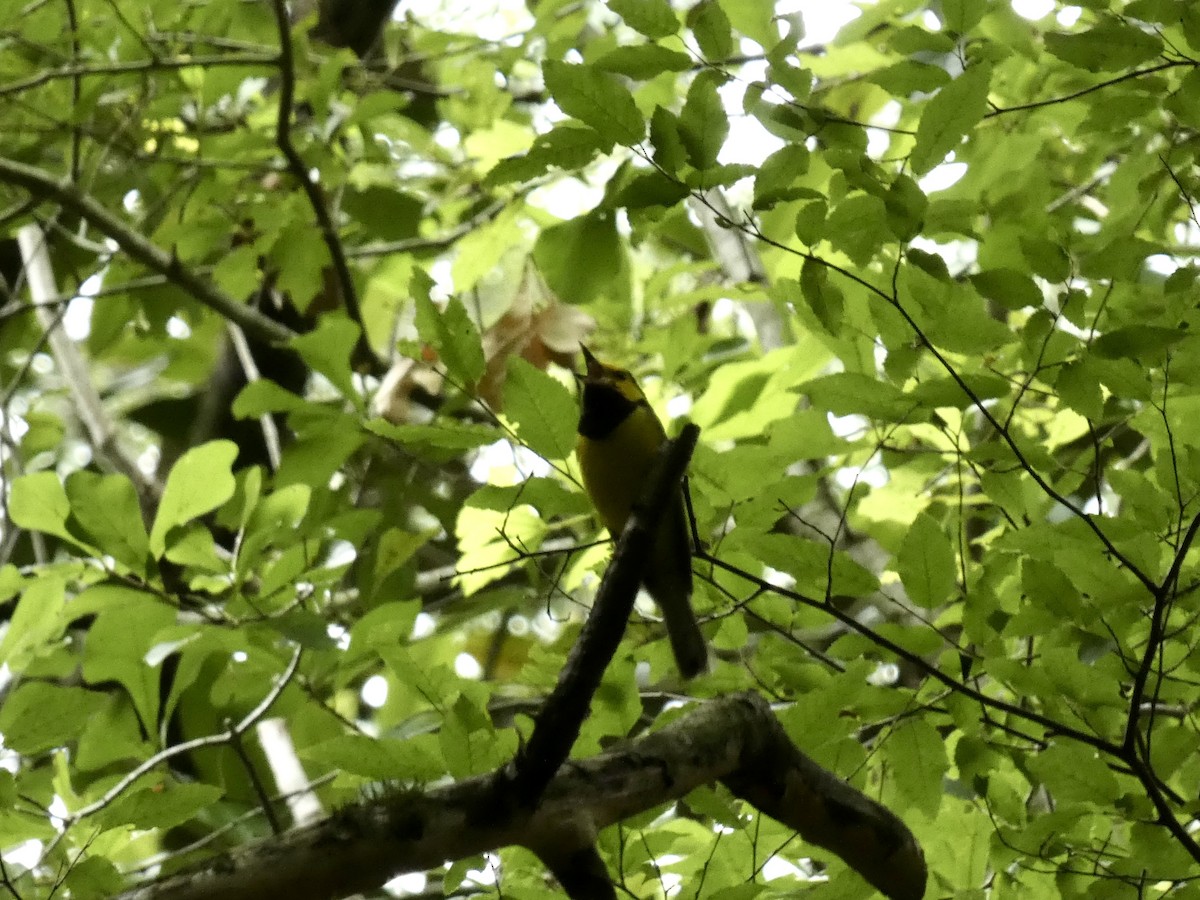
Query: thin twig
point(266, 421)
point(210, 740)
point(1091, 89)
point(136, 67)
point(300, 171)
point(88, 406)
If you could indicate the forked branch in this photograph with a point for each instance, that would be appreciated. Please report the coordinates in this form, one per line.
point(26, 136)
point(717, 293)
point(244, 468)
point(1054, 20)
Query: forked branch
point(734, 740)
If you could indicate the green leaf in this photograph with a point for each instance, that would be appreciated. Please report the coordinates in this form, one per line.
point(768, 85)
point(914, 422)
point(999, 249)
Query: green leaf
point(38, 502)
point(945, 391)
point(45, 433)
point(906, 205)
point(917, 754)
point(955, 110)
point(566, 146)
point(951, 314)
point(643, 61)
point(239, 271)
point(542, 409)
point(193, 545)
point(117, 644)
point(454, 336)
point(1109, 47)
point(386, 213)
point(814, 566)
point(319, 452)
point(547, 495)
point(858, 227)
point(1046, 257)
point(703, 123)
point(263, 396)
point(106, 506)
point(38, 716)
point(199, 482)
point(411, 760)
point(653, 18)
point(723, 175)
point(11, 582)
point(92, 878)
point(446, 439)
point(810, 220)
point(846, 393)
point(1073, 772)
point(1010, 288)
point(165, 806)
point(824, 298)
point(1144, 343)
point(926, 563)
point(755, 19)
point(596, 98)
point(1190, 21)
point(666, 139)
point(301, 256)
point(653, 188)
point(909, 77)
point(1079, 388)
point(328, 349)
point(582, 258)
point(960, 16)
point(711, 28)
point(778, 174)
point(36, 622)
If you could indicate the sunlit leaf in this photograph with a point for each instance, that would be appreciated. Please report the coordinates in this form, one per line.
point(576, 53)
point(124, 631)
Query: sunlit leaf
point(199, 483)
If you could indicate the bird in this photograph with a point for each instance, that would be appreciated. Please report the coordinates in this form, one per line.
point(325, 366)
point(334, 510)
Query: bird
point(619, 438)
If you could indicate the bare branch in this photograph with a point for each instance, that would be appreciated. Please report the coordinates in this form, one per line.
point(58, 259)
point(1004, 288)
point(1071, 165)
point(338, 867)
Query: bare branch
point(101, 432)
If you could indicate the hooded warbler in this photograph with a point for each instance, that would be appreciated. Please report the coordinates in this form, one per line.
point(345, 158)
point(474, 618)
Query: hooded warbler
point(619, 438)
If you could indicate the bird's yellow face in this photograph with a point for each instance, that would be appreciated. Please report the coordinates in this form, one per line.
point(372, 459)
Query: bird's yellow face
point(609, 378)
point(610, 397)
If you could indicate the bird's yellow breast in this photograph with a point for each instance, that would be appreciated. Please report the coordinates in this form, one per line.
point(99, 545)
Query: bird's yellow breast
point(614, 467)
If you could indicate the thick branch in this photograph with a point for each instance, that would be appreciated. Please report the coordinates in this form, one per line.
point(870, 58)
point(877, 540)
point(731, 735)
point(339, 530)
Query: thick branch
point(44, 186)
point(737, 740)
point(562, 715)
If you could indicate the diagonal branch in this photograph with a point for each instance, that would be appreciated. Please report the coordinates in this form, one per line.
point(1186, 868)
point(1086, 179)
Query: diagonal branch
point(1090, 89)
point(43, 186)
point(101, 432)
point(562, 715)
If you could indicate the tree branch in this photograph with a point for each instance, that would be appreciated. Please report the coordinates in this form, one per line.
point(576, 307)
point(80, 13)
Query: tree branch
point(44, 186)
point(312, 190)
point(136, 67)
point(562, 715)
point(736, 740)
point(101, 432)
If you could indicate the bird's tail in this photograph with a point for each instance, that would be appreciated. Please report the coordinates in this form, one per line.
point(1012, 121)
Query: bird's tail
point(668, 580)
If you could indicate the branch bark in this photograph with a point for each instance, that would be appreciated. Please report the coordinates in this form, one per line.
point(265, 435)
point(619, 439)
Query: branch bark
point(41, 185)
point(562, 715)
point(735, 740)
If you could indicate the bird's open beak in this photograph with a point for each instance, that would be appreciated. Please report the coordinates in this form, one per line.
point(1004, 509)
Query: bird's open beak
point(594, 367)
